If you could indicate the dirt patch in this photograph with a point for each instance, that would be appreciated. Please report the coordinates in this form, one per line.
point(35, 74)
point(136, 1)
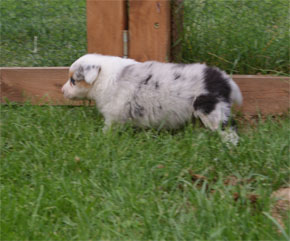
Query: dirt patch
point(282, 204)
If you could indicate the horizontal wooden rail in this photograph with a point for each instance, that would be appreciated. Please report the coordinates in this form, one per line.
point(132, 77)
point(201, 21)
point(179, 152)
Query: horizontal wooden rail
point(262, 94)
point(38, 85)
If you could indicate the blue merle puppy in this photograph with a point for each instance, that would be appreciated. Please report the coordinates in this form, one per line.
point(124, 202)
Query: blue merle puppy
point(154, 94)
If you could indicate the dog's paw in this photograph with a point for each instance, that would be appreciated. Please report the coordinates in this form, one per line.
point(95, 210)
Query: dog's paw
point(106, 129)
point(230, 137)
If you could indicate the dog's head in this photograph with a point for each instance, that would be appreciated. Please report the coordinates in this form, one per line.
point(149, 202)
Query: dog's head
point(83, 74)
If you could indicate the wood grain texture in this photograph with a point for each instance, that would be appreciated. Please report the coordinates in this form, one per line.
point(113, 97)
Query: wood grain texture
point(149, 30)
point(38, 85)
point(262, 94)
point(106, 20)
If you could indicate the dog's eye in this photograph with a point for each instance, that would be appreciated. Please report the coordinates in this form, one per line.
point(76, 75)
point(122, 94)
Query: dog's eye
point(72, 80)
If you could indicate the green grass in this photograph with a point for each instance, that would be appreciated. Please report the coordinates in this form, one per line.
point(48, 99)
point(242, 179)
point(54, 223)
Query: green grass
point(241, 37)
point(59, 25)
point(63, 179)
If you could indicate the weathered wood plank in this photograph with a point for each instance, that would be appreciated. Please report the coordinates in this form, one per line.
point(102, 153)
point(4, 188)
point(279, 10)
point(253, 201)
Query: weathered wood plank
point(149, 30)
point(106, 20)
point(38, 85)
point(262, 94)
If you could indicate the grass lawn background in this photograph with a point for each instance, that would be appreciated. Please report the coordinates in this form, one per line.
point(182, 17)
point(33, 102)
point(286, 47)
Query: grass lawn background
point(63, 179)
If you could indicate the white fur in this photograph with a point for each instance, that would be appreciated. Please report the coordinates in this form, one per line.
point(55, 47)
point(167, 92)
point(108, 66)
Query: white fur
point(149, 94)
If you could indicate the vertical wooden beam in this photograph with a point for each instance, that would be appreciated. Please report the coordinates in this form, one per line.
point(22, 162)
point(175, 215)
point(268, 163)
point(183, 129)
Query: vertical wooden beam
point(149, 30)
point(106, 20)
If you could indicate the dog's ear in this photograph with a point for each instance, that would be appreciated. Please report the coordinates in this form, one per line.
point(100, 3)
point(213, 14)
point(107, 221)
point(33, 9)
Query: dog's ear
point(91, 73)
point(88, 73)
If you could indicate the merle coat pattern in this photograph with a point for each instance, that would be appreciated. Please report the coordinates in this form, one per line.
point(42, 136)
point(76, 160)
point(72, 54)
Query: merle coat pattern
point(154, 94)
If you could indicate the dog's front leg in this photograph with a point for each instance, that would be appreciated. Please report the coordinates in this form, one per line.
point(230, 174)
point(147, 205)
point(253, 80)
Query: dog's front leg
point(109, 121)
point(114, 116)
point(108, 125)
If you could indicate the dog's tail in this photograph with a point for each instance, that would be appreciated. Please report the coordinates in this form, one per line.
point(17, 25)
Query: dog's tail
point(236, 95)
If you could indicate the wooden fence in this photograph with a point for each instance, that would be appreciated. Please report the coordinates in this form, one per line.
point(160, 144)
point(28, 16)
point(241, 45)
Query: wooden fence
point(147, 23)
point(149, 28)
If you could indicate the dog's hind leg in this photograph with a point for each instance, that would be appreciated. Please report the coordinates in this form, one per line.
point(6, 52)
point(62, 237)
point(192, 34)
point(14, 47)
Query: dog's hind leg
point(214, 122)
point(210, 110)
point(215, 115)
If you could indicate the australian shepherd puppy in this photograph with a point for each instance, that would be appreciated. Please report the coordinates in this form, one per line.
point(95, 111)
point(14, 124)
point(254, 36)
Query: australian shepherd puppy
point(154, 94)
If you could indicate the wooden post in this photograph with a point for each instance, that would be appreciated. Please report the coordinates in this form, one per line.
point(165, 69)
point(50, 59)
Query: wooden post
point(149, 30)
point(106, 20)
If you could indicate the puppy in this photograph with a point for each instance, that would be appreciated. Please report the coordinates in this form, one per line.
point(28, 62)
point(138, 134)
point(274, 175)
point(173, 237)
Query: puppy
point(153, 94)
